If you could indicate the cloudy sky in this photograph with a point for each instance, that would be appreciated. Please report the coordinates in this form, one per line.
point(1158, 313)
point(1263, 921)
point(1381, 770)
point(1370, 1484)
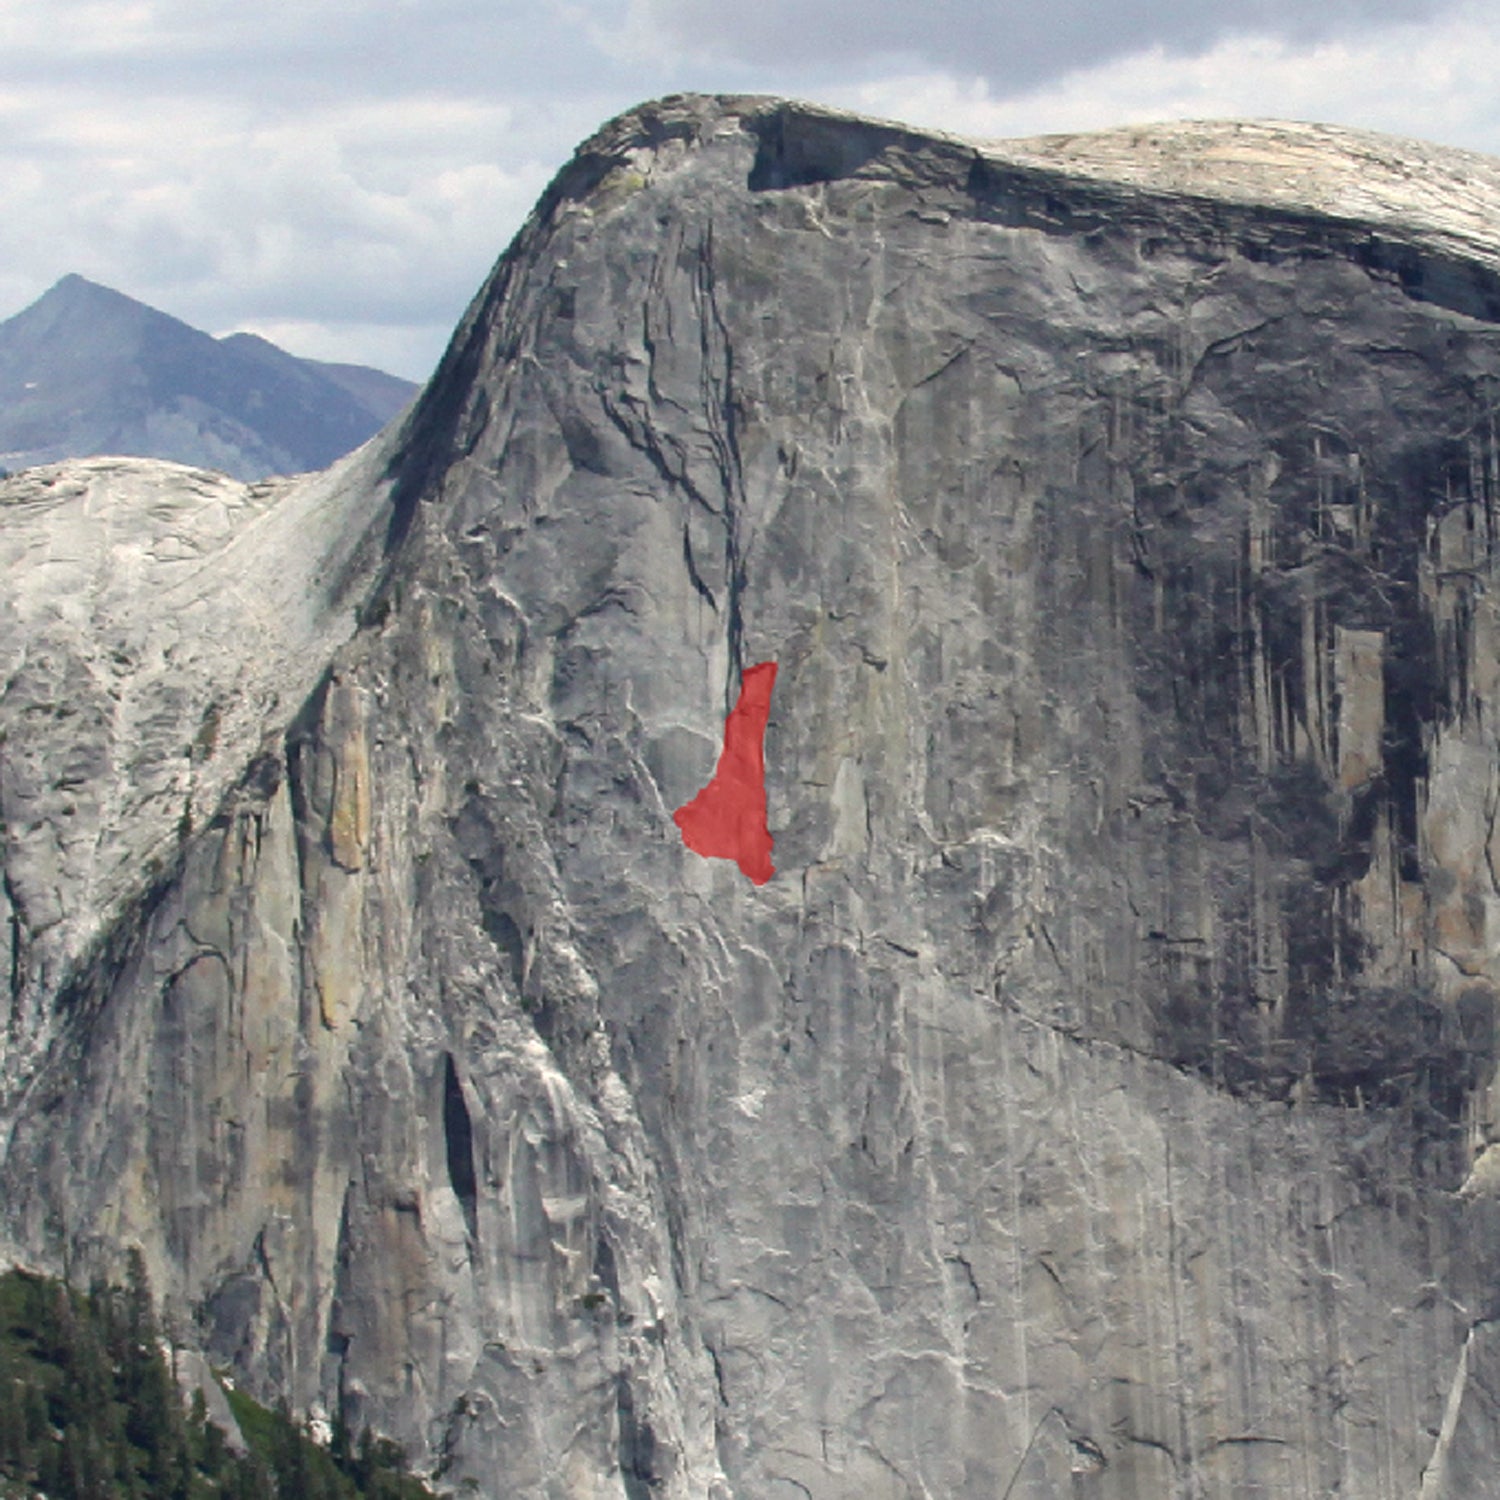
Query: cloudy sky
point(339, 175)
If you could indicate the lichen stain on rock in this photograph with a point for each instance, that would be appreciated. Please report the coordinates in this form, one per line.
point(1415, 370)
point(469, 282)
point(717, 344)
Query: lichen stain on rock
point(349, 817)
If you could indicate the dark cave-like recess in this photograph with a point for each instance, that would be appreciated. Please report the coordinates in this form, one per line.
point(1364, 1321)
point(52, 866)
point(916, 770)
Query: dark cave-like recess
point(458, 1134)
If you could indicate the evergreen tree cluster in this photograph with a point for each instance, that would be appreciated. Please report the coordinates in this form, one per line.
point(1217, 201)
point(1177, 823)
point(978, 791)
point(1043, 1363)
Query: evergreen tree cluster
point(89, 1410)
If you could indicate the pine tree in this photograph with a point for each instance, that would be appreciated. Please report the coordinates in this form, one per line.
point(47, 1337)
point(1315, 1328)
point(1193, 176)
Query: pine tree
point(71, 1468)
point(90, 1410)
point(37, 1424)
point(213, 1455)
point(250, 1481)
point(49, 1469)
point(140, 1308)
point(288, 1456)
point(340, 1450)
point(12, 1426)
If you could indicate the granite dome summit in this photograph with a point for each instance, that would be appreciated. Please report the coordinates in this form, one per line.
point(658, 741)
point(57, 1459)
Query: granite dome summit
point(86, 371)
point(1098, 1100)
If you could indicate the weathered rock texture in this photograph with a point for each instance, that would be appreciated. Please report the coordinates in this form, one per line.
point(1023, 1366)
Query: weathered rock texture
point(1098, 1101)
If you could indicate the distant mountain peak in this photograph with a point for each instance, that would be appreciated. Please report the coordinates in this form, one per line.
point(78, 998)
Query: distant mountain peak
point(75, 288)
point(249, 340)
point(88, 370)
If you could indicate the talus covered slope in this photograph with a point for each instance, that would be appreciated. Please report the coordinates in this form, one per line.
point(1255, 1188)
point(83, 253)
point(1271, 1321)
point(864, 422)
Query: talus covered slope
point(1097, 1100)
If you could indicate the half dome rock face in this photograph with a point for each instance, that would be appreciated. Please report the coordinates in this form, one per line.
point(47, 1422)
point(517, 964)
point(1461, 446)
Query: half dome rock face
point(1096, 1101)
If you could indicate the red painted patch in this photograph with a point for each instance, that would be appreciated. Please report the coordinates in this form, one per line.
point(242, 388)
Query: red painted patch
point(727, 819)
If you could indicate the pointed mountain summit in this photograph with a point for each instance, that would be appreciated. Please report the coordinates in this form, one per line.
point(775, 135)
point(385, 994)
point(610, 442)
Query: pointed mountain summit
point(87, 370)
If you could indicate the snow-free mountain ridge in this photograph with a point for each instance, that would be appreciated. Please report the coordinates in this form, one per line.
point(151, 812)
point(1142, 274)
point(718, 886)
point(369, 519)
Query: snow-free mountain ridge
point(88, 371)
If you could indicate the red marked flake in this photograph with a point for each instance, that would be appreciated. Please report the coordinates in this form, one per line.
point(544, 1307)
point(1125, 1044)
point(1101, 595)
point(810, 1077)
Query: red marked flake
point(727, 819)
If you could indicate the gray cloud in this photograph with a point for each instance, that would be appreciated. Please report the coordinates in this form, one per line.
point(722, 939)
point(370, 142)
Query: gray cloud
point(1015, 44)
point(279, 54)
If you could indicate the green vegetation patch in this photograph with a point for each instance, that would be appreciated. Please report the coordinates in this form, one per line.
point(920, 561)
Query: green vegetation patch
point(89, 1411)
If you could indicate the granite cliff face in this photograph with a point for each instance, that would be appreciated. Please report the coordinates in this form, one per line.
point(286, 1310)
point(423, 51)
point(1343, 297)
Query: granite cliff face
point(1099, 1099)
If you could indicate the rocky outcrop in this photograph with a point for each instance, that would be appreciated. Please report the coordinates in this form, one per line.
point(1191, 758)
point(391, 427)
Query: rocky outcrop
point(161, 625)
point(1098, 1100)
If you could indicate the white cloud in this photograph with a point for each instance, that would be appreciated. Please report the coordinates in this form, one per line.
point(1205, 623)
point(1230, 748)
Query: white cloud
point(378, 216)
point(1432, 81)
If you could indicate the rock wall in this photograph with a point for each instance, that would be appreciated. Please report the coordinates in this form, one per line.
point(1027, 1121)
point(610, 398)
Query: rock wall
point(1098, 1101)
